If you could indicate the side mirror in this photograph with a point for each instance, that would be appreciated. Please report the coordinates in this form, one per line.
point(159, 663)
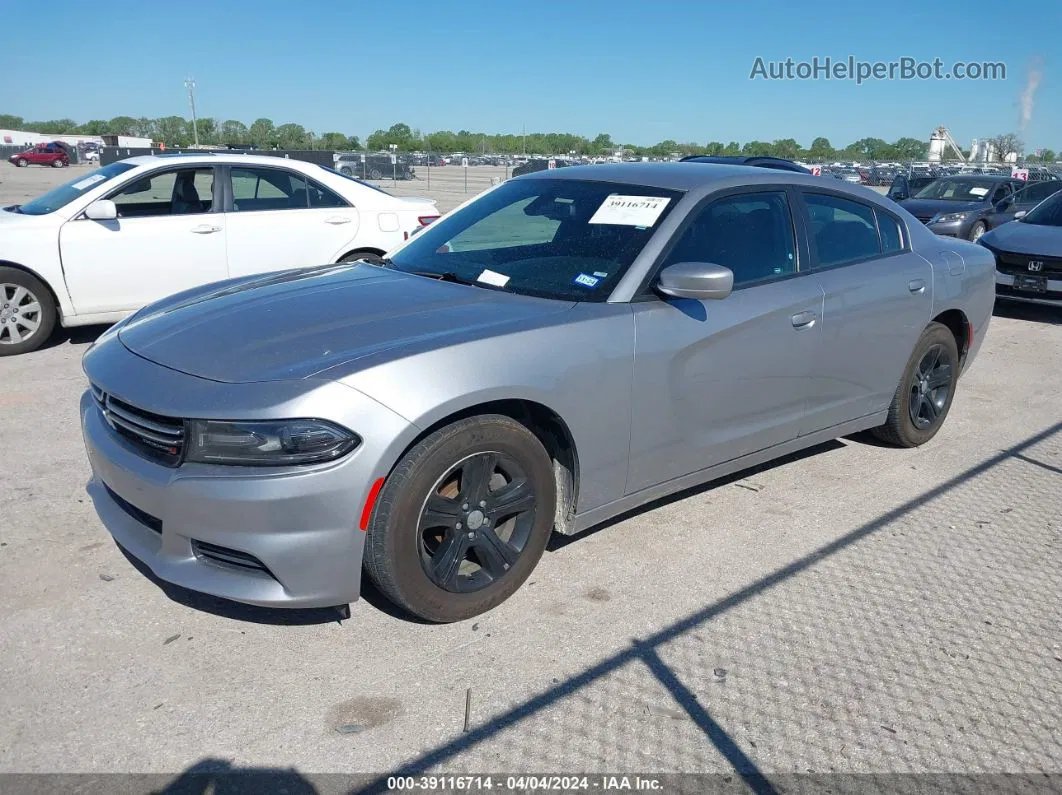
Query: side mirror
point(102, 210)
point(1020, 214)
point(700, 281)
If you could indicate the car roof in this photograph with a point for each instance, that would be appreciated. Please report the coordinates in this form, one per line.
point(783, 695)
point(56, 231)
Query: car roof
point(768, 161)
point(679, 176)
point(220, 156)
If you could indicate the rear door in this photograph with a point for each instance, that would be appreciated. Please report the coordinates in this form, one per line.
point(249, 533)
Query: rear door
point(278, 218)
point(878, 298)
point(167, 238)
point(718, 379)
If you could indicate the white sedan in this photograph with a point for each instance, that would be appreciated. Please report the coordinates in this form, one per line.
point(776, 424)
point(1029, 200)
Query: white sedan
point(120, 237)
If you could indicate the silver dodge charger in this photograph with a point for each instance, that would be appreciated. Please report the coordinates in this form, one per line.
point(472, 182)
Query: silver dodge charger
point(565, 347)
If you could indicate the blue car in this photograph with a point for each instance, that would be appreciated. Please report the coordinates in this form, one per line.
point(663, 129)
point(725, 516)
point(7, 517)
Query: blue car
point(1028, 255)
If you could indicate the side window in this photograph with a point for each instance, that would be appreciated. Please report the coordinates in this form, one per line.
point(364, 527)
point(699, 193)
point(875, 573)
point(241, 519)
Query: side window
point(891, 236)
point(752, 234)
point(185, 191)
point(1000, 193)
point(844, 230)
point(255, 189)
point(320, 196)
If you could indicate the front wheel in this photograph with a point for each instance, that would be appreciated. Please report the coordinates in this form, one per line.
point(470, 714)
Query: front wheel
point(58, 164)
point(375, 174)
point(21, 162)
point(977, 230)
point(924, 396)
point(462, 520)
point(27, 312)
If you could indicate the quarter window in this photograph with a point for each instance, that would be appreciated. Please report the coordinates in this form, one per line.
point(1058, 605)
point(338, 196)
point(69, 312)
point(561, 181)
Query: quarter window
point(891, 236)
point(844, 230)
point(752, 234)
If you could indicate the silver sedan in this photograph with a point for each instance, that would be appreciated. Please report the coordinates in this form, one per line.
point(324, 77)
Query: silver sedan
point(570, 345)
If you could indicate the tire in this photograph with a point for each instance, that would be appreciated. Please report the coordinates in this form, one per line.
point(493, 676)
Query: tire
point(18, 292)
point(375, 174)
point(21, 162)
point(355, 256)
point(58, 164)
point(346, 172)
point(403, 543)
point(977, 230)
point(901, 427)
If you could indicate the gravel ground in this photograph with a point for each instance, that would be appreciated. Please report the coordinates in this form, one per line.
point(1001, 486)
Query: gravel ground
point(852, 609)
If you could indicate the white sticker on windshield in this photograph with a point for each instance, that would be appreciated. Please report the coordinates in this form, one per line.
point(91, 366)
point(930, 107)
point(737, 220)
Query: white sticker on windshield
point(630, 210)
point(490, 277)
point(88, 182)
point(978, 191)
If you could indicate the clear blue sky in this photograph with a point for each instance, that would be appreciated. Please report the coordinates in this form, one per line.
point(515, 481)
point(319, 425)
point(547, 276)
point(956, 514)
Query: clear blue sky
point(641, 71)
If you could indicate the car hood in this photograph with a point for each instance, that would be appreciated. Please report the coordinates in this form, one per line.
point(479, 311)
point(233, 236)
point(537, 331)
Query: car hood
point(296, 324)
point(1022, 238)
point(924, 208)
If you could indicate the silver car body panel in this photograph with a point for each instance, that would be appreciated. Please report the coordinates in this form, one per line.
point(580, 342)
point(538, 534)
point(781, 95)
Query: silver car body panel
point(657, 395)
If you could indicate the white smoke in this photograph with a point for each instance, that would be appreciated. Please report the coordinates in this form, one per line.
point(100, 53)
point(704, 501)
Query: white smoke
point(1032, 82)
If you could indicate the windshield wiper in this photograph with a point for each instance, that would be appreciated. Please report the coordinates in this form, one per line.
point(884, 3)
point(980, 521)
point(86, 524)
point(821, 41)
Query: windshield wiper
point(448, 276)
point(14, 208)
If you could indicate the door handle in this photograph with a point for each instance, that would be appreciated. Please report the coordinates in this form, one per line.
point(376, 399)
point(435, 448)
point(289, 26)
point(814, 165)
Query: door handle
point(205, 229)
point(337, 220)
point(917, 286)
point(804, 319)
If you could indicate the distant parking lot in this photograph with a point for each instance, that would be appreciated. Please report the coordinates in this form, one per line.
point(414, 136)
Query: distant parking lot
point(853, 609)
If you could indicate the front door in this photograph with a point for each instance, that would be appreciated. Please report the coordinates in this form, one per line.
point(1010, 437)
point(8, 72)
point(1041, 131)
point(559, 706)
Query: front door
point(166, 239)
point(718, 379)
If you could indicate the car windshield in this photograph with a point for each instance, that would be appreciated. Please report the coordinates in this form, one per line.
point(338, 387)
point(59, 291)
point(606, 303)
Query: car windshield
point(1046, 213)
point(958, 190)
point(553, 238)
point(64, 194)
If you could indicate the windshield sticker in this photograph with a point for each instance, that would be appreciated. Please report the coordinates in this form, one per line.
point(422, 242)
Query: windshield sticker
point(586, 280)
point(978, 191)
point(88, 182)
point(490, 277)
point(641, 211)
point(600, 274)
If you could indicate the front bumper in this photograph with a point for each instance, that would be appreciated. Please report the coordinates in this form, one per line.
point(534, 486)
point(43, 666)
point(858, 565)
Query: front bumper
point(1005, 290)
point(294, 530)
point(951, 228)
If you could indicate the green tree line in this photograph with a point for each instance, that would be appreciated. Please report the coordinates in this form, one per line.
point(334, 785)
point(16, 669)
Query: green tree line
point(178, 131)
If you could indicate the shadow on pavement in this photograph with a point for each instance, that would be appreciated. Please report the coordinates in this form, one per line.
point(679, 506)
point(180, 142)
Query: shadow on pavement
point(1034, 313)
point(646, 650)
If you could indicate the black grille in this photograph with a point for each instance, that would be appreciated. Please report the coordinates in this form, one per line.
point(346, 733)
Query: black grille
point(228, 557)
point(143, 517)
point(159, 438)
point(1019, 263)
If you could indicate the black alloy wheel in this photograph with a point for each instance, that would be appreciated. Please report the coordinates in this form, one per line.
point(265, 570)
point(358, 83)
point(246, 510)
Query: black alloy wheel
point(930, 388)
point(476, 522)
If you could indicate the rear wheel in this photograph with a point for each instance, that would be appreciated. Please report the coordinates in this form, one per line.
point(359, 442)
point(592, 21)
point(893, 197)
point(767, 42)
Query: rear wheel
point(462, 520)
point(924, 396)
point(27, 312)
point(375, 173)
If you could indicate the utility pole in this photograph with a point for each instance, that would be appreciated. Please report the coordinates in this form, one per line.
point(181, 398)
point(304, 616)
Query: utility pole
point(523, 136)
point(190, 85)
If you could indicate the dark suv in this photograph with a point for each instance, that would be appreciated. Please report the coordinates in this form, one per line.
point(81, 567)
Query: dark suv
point(54, 155)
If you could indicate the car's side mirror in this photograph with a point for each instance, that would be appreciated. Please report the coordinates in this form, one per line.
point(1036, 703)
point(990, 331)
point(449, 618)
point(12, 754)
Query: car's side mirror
point(1020, 214)
point(701, 281)
point(102, 210)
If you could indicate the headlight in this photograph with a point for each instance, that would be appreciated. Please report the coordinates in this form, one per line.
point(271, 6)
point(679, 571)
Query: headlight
point(276, 443)
point(945, 217)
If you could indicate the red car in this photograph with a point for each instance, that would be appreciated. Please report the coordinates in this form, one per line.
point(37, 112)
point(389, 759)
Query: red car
point(42, 155)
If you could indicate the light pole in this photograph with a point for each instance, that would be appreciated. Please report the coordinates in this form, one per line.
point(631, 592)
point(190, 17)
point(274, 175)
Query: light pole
point(190, 85)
